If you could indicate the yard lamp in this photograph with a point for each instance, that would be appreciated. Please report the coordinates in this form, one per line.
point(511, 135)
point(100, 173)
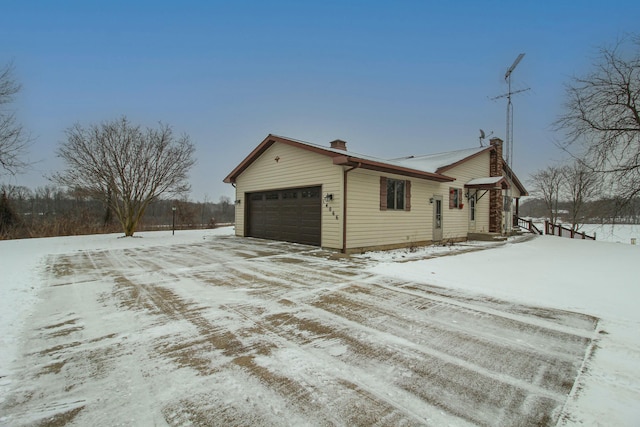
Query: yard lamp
point(173, 222)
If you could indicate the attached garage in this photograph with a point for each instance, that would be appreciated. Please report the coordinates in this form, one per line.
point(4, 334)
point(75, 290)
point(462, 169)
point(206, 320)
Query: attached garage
point(292, 215)
point(296, 191)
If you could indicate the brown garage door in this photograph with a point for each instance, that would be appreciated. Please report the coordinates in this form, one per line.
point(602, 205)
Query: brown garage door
point(292, 215)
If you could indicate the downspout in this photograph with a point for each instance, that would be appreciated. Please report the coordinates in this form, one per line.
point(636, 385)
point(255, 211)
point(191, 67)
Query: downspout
point(344, 206)
point(235, 210)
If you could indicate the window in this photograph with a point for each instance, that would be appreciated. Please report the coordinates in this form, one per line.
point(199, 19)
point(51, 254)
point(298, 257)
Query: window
point(311, 194)
point(290, 195)
point(455, 198)
point(395, 194)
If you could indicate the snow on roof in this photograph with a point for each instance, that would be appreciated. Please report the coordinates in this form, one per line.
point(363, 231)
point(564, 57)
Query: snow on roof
point(426, 163)
point(433, 162)
point(485, 181)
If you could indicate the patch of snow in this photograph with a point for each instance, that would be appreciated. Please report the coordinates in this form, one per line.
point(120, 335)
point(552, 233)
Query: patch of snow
point(596, 278)
point(23, 261)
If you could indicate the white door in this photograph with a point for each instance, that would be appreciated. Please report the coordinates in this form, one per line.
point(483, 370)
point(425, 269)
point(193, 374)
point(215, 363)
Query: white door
point(437, 218)
point(472, 212)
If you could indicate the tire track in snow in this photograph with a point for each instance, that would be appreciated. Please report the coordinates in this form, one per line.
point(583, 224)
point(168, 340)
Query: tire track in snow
point(242, 331)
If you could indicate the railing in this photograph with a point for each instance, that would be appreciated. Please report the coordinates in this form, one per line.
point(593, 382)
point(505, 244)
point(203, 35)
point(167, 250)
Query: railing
point(558, 230)
point(527, 224)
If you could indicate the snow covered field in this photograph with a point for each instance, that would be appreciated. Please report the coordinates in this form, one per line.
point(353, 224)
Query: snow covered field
point(618, 233)
point(203, 328)
point(613, 233)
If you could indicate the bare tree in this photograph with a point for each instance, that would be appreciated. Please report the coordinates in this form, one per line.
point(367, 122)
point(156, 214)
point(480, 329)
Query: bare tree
point(546, 184)
point(580, 184)
point(8, 216)
point(602, 115)
point(13, 139)
point(126, 166)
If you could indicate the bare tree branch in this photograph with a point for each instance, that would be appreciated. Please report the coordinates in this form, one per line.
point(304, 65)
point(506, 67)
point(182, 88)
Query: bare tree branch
point(14, 141)
point(546, 184)
point(579, 185)
point(127, 166)
point(602, 117)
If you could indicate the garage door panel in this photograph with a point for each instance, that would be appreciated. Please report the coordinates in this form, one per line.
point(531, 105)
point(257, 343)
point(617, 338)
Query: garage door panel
point(292, 214)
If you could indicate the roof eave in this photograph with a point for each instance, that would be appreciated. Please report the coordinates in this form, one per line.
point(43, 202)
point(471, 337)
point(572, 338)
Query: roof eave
point(384, 167)
point(502, 184)
point(514, 178)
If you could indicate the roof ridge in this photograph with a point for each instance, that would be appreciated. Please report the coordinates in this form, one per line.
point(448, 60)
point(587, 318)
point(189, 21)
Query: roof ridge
point(445, 152)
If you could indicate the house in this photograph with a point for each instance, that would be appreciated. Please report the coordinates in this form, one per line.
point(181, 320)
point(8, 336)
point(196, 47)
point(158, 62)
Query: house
point(328, 196)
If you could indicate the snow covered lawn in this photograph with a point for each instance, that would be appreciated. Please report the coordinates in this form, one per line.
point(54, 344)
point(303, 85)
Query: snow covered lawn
point(203, 328)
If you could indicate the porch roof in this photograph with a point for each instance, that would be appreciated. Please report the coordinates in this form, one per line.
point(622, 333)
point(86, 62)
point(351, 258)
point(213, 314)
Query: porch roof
point(488, 183)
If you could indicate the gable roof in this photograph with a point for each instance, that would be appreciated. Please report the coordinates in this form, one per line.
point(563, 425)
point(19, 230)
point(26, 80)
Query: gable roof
point(340, 157)
point(441, 162)
point(430, 167)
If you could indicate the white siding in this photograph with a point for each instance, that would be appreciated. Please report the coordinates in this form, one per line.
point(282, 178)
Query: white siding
point(369, 226)
point(514, 190)
point(456, 221)
point(295, 167)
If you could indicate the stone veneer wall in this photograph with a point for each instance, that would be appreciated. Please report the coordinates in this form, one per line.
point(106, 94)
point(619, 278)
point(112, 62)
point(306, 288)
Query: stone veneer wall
point(495, 196)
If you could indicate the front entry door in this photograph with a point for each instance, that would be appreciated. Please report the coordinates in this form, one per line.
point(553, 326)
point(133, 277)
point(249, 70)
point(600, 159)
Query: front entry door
point(472, 212)
point(437, 218)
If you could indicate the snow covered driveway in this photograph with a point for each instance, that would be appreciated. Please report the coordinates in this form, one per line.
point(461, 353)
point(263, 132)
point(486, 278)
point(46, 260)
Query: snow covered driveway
point(230, 331)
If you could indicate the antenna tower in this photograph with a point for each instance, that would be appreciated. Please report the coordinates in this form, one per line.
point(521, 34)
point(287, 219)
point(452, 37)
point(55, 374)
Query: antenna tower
point(508, 154)
point(508, 146)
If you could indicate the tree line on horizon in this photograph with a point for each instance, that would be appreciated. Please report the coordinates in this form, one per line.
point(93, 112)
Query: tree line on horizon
point(51, 210)
point(596, 211)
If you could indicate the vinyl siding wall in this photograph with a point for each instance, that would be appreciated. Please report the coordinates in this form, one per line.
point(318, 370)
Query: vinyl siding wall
point(514, 190)
point(368, 226)
point(295, 168)
point(456, 221)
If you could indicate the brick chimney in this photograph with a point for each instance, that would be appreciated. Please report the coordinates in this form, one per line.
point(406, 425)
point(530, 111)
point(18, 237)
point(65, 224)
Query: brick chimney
point(495, 162)
point(495, 196)
point(339, 144)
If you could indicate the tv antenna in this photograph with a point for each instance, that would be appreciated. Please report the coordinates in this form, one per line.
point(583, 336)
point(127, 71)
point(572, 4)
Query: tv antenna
point(508, 154)
point(483, 136)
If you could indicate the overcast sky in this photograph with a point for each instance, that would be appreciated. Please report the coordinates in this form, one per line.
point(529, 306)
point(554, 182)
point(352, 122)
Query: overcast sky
point(392, 78)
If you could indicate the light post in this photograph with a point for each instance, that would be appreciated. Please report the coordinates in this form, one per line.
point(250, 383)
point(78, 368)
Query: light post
point(173, 222)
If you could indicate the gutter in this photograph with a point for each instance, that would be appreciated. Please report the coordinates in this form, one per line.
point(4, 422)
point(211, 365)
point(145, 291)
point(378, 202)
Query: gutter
point(344, 206)
point(389, 168)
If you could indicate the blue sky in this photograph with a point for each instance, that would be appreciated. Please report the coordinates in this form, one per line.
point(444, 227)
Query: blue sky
point(392, 78)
